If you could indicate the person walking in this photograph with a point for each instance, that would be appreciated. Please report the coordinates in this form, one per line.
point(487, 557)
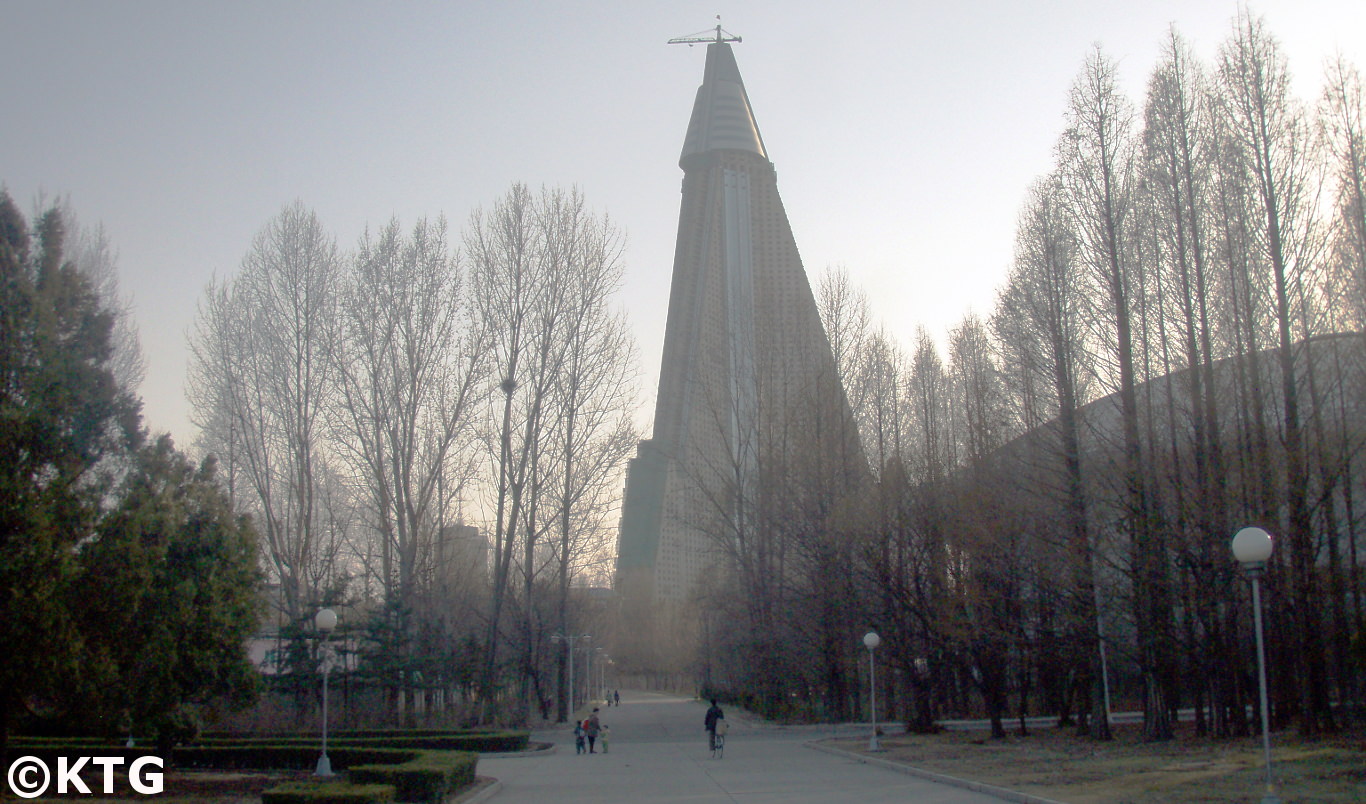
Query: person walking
point(606, 734)
point(617, 695)
point(714, 715)
point(591, 727)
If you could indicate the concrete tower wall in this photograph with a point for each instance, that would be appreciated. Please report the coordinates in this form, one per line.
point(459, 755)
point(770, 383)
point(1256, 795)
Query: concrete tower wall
point(748, 394)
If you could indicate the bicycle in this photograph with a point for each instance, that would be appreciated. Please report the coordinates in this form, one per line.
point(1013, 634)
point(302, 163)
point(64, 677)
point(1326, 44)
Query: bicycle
point(718, 740)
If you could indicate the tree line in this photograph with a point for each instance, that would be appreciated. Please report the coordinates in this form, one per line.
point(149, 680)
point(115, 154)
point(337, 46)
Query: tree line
point(369, 406)
point(1176, 353)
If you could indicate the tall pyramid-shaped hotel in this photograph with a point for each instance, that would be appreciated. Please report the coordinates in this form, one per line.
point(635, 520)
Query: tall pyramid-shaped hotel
point(752, 433)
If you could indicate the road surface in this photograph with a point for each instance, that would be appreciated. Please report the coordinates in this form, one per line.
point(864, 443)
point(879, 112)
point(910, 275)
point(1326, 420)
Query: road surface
point(658, 753)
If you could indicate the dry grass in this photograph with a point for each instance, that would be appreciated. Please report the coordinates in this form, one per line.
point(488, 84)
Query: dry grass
point(1055, 765)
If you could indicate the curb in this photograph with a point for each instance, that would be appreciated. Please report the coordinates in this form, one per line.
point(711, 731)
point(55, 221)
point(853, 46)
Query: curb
point(979, 787)
point(534, 749)
point(486, 788)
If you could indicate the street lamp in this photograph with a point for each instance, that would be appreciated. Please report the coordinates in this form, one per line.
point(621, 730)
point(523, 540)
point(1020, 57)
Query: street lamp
point(602, 673)
point(586, 673)
point(1252, 547)
point(595, 681)
point(870, 641)
point(325, 620)
point(569, 640)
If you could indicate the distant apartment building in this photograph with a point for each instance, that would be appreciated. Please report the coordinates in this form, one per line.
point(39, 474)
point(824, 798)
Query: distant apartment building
point(461, 560)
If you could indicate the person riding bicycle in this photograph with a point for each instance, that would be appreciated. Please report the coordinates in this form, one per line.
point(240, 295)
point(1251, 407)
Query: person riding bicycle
point(714, 715)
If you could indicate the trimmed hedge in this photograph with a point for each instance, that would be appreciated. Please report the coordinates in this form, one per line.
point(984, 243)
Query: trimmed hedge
point(344, 733)
point(422, 770)
point(284, 757)
point(488, 742)
point(49, 751)
point(429, 779)
point(289, 756)
point(26, 740)
point(329, 792)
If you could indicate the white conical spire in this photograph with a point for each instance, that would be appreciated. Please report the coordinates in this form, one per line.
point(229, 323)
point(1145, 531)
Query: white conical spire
point(722, 119)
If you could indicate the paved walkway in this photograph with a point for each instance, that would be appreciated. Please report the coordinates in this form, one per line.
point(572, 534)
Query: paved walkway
point(658, 753)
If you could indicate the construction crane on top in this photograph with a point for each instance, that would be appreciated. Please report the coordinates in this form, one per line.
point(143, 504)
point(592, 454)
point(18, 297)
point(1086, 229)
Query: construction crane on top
point(706, 37)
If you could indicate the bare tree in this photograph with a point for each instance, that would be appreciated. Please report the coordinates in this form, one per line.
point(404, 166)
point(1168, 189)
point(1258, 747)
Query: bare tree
point(1039, 323)
point(1342, 120)
point(1096, 160)
point(881, 414)
point(541, 270)
point(989, 626)
point(1273, 136)
point(407, 372)
point(510, 290)
point(1179, 148)
point(847, 320)
point(980, 401)
point(1342, 116)
point(591, 432)
point(928, 460)
point(870, 366)
point(260, 379)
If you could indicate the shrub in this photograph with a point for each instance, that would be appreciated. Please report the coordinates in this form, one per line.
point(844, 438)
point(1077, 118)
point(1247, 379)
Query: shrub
point(343, 734)
point(49, 750)
point(284, 757)
point(400, 767)
point(334, 791)
point(429, 778)
point(481, 742)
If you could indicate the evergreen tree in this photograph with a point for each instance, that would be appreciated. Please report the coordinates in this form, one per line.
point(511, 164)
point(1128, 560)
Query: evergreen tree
point(170, 589)
point(127, 585)
point(64, 420)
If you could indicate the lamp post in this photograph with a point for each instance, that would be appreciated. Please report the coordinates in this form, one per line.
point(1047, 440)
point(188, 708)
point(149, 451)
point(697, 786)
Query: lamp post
point(588, 676)
point(602, 673)
point(595, 681)
point(870, 641)
point(569, 640)
point(325, 620)
point(1252, 547)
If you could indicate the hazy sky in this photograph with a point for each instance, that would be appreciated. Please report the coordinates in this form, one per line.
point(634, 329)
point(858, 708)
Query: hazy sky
point(904, 134)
